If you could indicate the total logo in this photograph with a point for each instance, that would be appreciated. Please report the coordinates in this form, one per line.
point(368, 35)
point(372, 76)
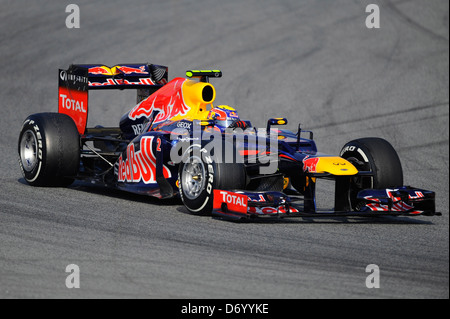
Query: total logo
point(140, 165)
point(234, 199)
point(235, 202)
point(71, 104)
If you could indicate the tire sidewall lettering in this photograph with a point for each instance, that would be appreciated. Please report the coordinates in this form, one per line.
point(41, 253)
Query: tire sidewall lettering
point(31, 125)
point(207, 192)
point(355, 150)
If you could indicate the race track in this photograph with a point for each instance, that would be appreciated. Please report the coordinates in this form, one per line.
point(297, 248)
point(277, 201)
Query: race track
point(314, 62)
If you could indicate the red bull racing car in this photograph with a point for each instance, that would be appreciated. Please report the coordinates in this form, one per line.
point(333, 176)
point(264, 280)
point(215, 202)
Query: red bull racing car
point(175, 142)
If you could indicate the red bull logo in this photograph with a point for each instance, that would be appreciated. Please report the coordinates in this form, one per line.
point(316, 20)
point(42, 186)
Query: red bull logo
point(140, 165)
point(127, 70)
point(100, 70)
point(271, 210)
point(168, 101)
point(310, 164)
point(131, 70)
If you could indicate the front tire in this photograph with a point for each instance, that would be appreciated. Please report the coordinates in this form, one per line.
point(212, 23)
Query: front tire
point(201, 173)
point(49, 149)
point(377, 156)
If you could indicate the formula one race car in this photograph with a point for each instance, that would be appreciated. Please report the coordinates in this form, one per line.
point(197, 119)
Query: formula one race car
point(175, 142)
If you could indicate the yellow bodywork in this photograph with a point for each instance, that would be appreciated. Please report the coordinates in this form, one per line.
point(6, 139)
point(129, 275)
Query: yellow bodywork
point(335, 165)
point(197, 96)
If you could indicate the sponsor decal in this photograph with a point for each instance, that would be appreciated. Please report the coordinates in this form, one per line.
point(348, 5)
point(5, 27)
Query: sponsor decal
point(112, 82)
point(237, 202)
point(71, 104)
point(140, 165)
point(185, 125)
point(39, 151)
point(310, 164)
point(73, 96)
point(138, 128)
point(271, 210)
point(165, 101)
point(397, 204)
point(130, 70)
point(75, 104)
point(234, 201)
point(124, 69)
point(259, 199)
point(73, 80)
point(209, 161)
point(100, 70)
point(397, 207)
point(351, 148)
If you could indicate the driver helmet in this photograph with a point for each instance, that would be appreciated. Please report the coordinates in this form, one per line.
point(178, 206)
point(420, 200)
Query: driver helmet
point(223, 115)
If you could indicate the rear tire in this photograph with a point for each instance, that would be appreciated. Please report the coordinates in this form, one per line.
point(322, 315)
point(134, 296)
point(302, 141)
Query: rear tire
point(49, 149)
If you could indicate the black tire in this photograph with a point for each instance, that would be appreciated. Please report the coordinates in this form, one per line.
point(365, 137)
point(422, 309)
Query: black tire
point(378, 156)
point(49, 149)
point(198, 194)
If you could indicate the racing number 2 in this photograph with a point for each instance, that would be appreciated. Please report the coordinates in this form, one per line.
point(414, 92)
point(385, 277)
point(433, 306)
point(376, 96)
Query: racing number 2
point(158, 144)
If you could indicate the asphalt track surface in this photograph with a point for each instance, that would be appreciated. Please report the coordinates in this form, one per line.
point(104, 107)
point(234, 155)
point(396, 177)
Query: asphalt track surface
point(314, 62)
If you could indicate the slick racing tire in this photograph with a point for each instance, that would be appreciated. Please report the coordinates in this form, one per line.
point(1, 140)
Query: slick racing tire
point(49, 149)
point(377, 156)
point(201, 173)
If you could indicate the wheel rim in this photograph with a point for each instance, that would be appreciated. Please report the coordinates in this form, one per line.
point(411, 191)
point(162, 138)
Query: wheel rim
point(28, 151)
point(193, 177)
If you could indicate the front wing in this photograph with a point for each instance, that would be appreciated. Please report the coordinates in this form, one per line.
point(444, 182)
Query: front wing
point(403, 201)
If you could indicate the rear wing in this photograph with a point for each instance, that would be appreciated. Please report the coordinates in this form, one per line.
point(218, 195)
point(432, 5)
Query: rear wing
point(75, 83)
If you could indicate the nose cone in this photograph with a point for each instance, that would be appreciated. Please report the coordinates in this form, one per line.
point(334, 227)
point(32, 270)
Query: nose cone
point(330, 164)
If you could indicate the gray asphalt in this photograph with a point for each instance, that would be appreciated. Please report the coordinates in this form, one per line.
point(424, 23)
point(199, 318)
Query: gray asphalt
point(314, 62)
